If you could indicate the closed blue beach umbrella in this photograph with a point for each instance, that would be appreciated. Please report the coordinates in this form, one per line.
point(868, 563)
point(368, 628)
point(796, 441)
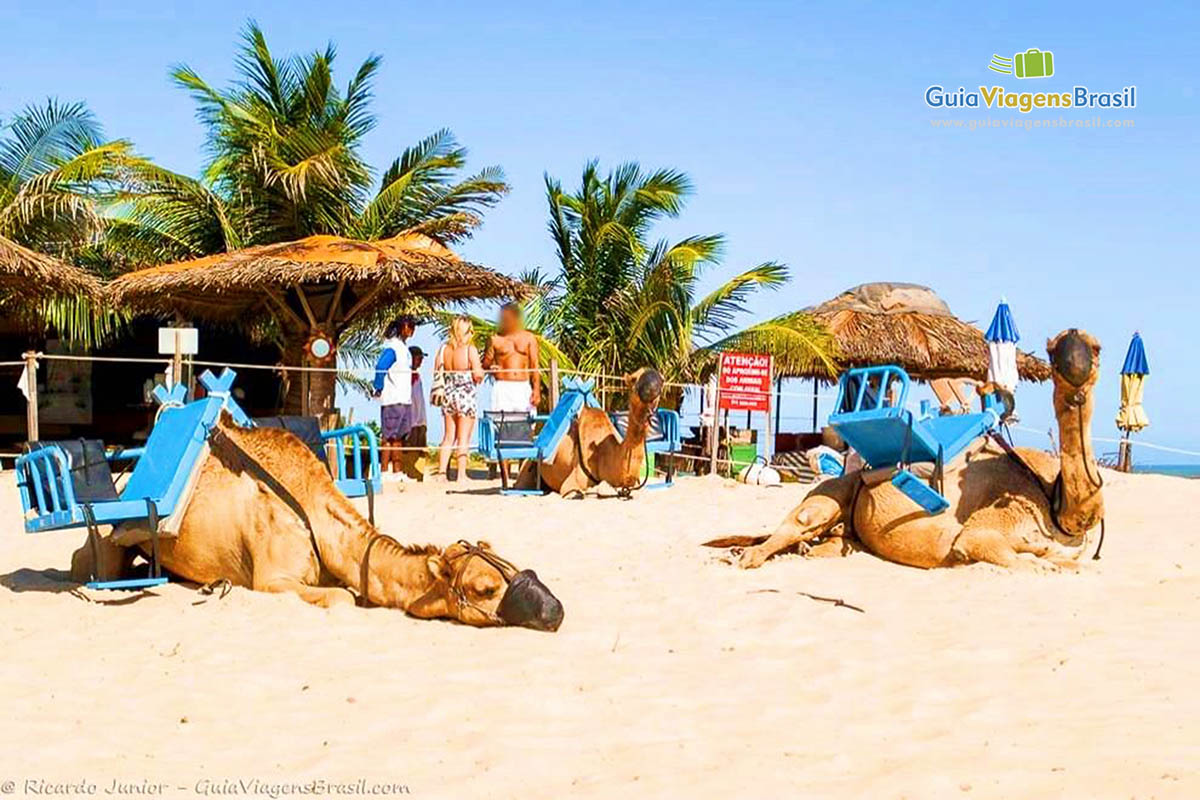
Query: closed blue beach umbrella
point(1002, 338)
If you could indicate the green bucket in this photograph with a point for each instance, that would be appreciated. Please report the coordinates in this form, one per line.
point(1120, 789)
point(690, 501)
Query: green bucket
point(648, 467)
point(742, 455)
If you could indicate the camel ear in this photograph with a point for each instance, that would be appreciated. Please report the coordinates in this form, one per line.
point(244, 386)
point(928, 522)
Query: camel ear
point(484, 545)
point(438, 568)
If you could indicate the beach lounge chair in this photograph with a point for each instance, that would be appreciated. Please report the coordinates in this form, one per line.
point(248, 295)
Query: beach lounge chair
point(872, 418)
point(507, 437)
point(662, 437)
point(70, 484)
point(362, 478)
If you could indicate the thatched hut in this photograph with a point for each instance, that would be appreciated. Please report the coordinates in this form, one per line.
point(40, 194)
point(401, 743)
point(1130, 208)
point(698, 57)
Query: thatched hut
point(312, 289)
point(28, 278)
point(909, 325)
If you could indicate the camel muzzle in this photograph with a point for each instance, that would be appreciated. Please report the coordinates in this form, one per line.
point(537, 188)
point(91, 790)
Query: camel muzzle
point(1072, 358)
point(528, 603)
point(649, 387)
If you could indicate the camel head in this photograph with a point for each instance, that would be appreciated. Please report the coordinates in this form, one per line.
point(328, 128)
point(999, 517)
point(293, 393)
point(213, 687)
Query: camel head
point(1075, 357)
point(477, 587)
point(645, 389)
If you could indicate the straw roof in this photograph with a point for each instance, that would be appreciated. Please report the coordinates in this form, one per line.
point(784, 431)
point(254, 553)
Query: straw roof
point(909, 325)
point(229, 286)
point(27, 275)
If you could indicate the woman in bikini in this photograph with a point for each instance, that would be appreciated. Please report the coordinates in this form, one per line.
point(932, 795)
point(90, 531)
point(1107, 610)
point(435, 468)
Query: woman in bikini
point(458, 359)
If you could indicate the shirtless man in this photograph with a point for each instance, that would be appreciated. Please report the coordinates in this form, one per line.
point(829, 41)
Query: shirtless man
point(512, 359)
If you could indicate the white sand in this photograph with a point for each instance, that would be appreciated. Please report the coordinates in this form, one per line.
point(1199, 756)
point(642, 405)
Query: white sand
point(671, 676)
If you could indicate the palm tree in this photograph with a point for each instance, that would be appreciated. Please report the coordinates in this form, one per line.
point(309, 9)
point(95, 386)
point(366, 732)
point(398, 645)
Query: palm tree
point(284, 162)
point(56, 171)
point(623, 300)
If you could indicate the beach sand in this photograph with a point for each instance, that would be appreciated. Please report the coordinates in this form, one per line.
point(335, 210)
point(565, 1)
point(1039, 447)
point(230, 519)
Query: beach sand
point(673, 675)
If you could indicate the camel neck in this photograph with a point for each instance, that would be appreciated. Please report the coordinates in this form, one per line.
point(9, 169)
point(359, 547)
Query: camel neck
point(632, 452)
point(396, 576)
point(1082, 505)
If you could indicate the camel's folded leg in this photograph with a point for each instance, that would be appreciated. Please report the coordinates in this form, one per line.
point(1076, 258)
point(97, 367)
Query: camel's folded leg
point(996, 535)
point(833, 546)
point(101, 559)
point(324, 596)
point(813, 518)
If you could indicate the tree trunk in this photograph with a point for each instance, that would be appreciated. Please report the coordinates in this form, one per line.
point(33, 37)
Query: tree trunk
point(320, 386)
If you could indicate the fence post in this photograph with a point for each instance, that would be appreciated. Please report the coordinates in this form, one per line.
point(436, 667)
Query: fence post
point(31, 404)
point(714, 430)
point(553, 383)
point(770, 448)
point(177, 361)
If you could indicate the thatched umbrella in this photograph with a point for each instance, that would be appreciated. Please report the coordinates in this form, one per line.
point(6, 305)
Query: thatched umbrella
point(314, 289)
point(909, 325)
point(29, 277)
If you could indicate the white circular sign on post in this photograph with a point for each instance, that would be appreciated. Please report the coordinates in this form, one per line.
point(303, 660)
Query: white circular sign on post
point(320, 347)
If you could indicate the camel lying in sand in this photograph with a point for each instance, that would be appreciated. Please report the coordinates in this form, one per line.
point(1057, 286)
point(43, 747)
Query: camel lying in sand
point(1024, 509)
point(265, 515)
point(594, 452)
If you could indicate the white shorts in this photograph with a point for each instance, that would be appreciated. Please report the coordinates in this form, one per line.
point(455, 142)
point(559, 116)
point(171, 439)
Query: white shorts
point(512, 396)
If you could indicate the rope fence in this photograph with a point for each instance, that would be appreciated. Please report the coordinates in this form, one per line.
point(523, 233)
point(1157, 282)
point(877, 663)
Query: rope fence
point(365, 371)
point(606, 380)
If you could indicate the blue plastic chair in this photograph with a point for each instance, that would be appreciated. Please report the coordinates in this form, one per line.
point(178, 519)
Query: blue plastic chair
point(872, 418)
point(502, 438)
point(62, 484)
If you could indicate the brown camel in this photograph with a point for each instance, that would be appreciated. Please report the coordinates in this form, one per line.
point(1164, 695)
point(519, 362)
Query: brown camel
point(1020, 509)
point(593, 452)
point(265, 515)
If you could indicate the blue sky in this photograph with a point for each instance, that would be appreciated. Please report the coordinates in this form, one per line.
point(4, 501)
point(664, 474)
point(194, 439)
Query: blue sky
point(803, 127)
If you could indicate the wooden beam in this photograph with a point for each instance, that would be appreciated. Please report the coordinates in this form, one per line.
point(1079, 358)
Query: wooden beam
point(362, 303)
point(279, 301)
point(312, 319)
point(337, 298)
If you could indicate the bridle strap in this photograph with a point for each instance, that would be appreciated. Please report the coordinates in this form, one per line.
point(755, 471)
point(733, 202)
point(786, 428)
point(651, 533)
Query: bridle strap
point(506, 568)
point(507, 571)
point(364, 569)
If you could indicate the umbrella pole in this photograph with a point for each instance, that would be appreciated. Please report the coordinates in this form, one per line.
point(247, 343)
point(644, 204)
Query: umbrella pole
point(815, 384)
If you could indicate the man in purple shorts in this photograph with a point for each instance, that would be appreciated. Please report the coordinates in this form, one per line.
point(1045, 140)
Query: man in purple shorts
point(393, 386)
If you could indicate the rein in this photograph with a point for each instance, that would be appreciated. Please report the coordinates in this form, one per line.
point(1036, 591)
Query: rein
point(247, 461)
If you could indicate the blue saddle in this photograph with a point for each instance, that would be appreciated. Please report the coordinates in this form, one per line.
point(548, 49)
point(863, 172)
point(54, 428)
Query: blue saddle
point(871, 417)
point(355, 443)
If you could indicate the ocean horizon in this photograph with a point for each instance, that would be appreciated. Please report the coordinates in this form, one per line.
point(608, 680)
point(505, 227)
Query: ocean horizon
point(1178, 470)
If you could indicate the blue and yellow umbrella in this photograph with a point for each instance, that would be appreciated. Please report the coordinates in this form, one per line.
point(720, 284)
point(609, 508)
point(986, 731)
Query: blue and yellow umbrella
point(1132, 417)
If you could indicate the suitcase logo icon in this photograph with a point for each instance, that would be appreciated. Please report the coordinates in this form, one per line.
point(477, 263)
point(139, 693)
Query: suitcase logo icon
point(1033, 63)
